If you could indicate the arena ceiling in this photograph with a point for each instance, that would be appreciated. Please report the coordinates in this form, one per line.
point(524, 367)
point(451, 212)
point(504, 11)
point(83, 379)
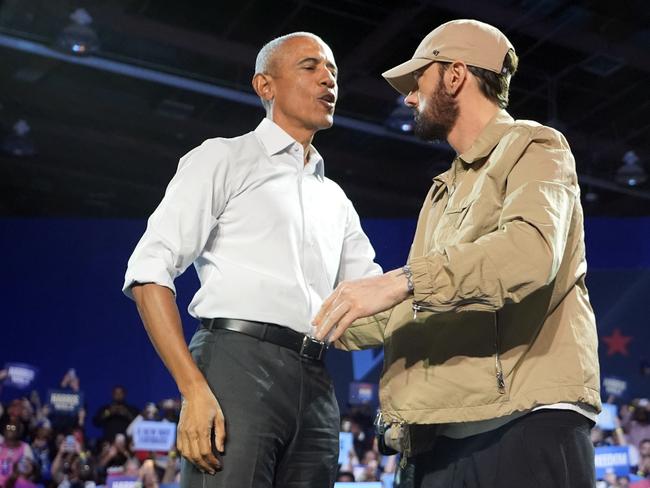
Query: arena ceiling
point(106, 129)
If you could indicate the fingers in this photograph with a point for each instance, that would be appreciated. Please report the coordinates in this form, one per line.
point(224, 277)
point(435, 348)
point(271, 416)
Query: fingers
point(332, 319)
point(343, 324)
point(180, 443)
point(195, 443)
point(219, 431)
point(208, 459)
point(325, 307)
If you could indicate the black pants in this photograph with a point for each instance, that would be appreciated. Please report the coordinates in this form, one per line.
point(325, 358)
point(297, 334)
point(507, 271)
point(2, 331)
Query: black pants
point(544, 449)
point(282, 419)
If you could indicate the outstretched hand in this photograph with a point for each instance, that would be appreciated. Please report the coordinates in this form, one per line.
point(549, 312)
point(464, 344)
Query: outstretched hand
point(359, 298)
point(200, 414)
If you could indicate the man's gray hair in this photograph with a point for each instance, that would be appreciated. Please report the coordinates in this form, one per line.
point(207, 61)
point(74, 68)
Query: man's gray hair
point(265, 58)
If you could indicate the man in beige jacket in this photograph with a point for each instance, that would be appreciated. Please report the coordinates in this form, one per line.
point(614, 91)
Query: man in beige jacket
point(491, 374)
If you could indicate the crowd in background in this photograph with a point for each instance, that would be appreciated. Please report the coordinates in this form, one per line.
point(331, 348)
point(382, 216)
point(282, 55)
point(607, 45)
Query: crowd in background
point(631, 429)
point(42, 448)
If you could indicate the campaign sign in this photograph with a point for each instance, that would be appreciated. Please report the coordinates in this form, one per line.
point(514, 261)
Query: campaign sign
point(614, 386)
point(362, 393)
point(365, 484)
point(20, 375)
point(122, 481)
point(606, 419)
point(612, 459)
point(154, 436)
point(65, 401)
point(346, 442)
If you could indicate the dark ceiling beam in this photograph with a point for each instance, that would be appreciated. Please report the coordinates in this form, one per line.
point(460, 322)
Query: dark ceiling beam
point(614, 98)
point(608, 185)
point(573, 38)
point(363, 57)
point(280, 29)
point(141, 27)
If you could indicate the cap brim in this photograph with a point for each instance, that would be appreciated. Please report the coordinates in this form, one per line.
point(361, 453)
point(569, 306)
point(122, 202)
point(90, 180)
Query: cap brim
point(401, 77)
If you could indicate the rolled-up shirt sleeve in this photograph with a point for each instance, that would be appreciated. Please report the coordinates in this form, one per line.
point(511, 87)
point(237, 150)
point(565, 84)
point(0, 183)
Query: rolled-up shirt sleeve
point(357, 254)
point(525, 251)
point(178, 229)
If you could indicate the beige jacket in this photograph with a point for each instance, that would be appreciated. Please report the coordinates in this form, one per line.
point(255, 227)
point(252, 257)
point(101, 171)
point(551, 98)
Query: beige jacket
point(500, 321)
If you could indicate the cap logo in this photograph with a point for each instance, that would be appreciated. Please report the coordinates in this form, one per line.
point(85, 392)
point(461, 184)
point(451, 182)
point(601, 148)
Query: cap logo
point(436, 52)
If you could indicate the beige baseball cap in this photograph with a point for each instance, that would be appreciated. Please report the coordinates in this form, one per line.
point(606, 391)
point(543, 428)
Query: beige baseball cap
point(473, 42)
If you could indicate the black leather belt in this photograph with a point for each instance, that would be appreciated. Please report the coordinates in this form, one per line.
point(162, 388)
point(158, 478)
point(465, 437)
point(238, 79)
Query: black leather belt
point(306, 346)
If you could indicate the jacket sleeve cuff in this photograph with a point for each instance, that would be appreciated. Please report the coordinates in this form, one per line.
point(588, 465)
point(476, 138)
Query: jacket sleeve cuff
point(423, 278)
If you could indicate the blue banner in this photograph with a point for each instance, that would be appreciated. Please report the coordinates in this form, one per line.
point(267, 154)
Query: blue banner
point(613, 386)
point(65, 401)
point(362, 393)
point(20, 375)
point(122, 482)
point(365, 484)
point(612, 459)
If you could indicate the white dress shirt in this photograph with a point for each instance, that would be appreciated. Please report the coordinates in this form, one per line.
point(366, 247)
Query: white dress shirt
point(269, 236)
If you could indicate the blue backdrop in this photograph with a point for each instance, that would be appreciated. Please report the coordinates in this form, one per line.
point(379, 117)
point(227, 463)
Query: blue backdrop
point(63, 308)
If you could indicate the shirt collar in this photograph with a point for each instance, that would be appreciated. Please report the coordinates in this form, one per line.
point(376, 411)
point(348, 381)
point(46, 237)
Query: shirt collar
point(489, 137)
point(275, 140)
point(316, 164)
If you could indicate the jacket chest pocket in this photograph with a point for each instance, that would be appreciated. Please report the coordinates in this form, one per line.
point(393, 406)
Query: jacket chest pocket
point(451, 221)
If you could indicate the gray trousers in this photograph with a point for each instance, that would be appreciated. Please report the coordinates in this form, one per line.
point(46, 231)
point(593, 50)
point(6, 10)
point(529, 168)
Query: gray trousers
point(282, 419)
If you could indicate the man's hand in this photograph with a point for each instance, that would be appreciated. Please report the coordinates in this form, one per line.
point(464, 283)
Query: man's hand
point(359, 298)
point(200, 412)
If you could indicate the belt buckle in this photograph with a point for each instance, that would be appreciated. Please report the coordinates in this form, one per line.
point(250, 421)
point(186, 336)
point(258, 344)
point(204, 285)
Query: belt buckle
point(312, 348)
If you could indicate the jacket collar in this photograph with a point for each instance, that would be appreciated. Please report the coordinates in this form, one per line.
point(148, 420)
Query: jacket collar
point(488, 138)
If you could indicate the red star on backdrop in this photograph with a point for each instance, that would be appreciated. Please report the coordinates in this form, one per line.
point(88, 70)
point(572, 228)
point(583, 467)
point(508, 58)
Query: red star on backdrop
point(617, 343)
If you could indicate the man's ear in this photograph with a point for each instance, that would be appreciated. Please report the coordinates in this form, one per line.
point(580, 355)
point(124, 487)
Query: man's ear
point(263, 86)
point(455, 75)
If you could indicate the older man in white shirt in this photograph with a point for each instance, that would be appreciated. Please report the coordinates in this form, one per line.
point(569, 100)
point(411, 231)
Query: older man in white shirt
point(270, 238)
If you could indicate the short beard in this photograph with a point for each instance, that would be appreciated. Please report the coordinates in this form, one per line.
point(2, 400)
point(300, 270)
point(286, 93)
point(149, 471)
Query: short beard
point(439, 117)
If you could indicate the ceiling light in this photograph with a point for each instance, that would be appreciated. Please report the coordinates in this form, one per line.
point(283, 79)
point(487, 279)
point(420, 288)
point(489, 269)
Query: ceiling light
point(18, 142)
point(79, 38)
point(631, 172)
point(400, 119)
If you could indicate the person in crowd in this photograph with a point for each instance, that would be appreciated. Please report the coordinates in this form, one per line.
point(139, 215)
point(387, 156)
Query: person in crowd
point(115, 417)
point(115, 453)
point(41, 447)
point(149, 412)
point(25, 475)
point(643, 469)
point(66, 465)
point(369, 468)
point(66, 422)
point(644, 448)
point(19, 411)
point(147, 475)
point(170, 409)
point(12, 448)
point(345, 477)
point(635, 420)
